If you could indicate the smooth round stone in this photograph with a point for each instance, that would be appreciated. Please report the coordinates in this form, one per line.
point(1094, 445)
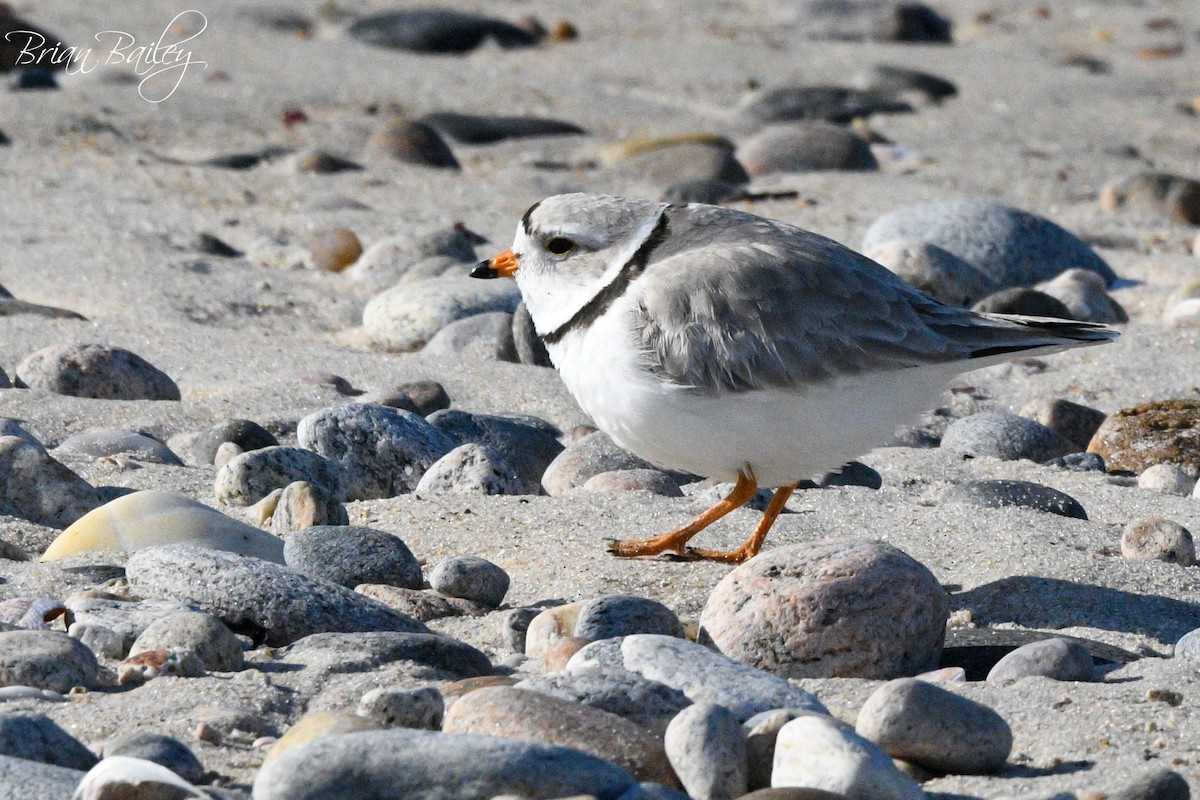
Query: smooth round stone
point(419, 604)
point(584, 459)
point(933, 269)
point(335, 249)
point(1085, 295)
point(194, 632)
point(302, 505)
point(137, 445)
point(669, 159)
point(653, 481)
point(1011, 246)
point(821, 753)
point(831, 103)
point(762, 731)
point(528, 444)
point(35, 487)
point(320, 162)
point(37, 738)
point(411, 142)
point(707, 749)
point(1153, 784)
point(470, 469)
point(531, 716)
point(22, 779)
point(364, 652)
point(531, 350)
point(470, 578)
point(902, 80)
point(805, 147)
point(123, 776)
point(420, 397)
point(318, 725)
point(1188, 646)
point(46, 660)
point(480, 337)
point(1076, 422)
point(252, 476)
point(925, 724)
point(1158, 539)
point(270, 601)
point(785, 611)
point(1184, 314)
point(622, 615)
point(166, 751)
point(700, 673)
point(1022, 301)
point(381, 451)
point(435, 30)
point(1024, 494)
point(421, 708)
point(1057, 659)
point(408, 765)
point(246, 434)
point(396, 258)
point(95, 371)
point(479, 129)
point(1007, 437)
point(1167, 479)
point(351, 555)
point(407, 316)
point(150, 518)
point(1155, 193)
point(705, 190)
point(1161, 432)
point(649, 704)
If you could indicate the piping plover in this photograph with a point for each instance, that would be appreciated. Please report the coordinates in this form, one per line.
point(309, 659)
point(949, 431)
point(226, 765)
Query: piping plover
point(716, 342)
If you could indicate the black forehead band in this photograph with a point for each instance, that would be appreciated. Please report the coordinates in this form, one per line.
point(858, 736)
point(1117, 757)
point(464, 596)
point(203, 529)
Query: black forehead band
point(527, 215)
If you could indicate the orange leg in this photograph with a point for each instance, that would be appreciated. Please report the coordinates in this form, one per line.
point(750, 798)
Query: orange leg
point(677, 539)
point(749, 548)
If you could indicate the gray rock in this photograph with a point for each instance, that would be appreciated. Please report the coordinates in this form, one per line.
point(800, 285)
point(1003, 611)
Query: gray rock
point(245, 433)
point(1079, 462)
point(407, 316)
point(22, 779)
point(834, 608)
point(707, 748)
point(166, 751)
point(470, 578)
point(421, 604)
point(252, 476)
point(1085, 296)
point(1003, 493)
point(12, 427)
point(1158, 539)
point(407, 765)
point(196, 633)
point(35, 487)
point(420, 397)
point(110, 627)
point(923, 723)
point(480, 129)
point(703, 675)
point(653, 481)
point(528, 444)
point(410, 142)
point(1154, 784)
point(1073, 421)
point(303, 505)
point(351, 555)
point(663, 161)
point(46, 660)
point(1020, 300)
point(622, 615)
point(822, 753)
point(1011, 246)
point(902, 80)
point(516, 625)
point(381, 451)
point(398, 708)
point(471, 469)
point(135, 444)
point(271, 602)
point(762, 731)
point(482, 337)
point(404, 257)
point(530, 348)
point(360, 652)
point(934, 270)
point(1005, 436)
point(650, 704)
point(831, 103)
point(435, 30)
point(37, 738)
point(96, 371)
point(1058, 659)
point(805, 147)
point(1167, 479)
point(1188, 646)
point(585, 458)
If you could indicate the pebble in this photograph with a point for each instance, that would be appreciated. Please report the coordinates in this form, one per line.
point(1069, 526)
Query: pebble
point(420, 397)
point(1158, 539)
point(822, 753)
point(1154, 784)
point(133, 444)
point(648, 704)
point(391, 259)
point(835, 104)
point(122, 777)
point(109, 627)
point(320, 162)
point(407, 765)
point(410, 142)
point(46, 660)
point(38, 738)
point(31, 613)
point(95, 371)
point(334, 250)
point(273, 603)
point(35, 487)
point(518, 714)
point(1085, 295)
point(1079, 462)
point(1070, 420)
point(363, 652)
point(422, 708)
point(785, 611)
point(1003, 493)
point(653, 481)
point(1157, 193)
point(246, 434)
point(1057, 659)
point(707, 749)
point(935, 728)
point(904, 81)
point(528, 444)
point(1167, 479)
point(702, 674)
point(933, 269)
point(584, 459)
point(478, 129)
point(437, 30)
point(1188, 646)
point(22, 779)
point(910, 22)
point(1161, 432)
point(419, 604)
point(166, 751)
point(1004, 436)
point(407, 316)
point(1022, 301)
point(318, 725)
point(351, 555)
point(470, 469)
point(301, 505)
point(252, 476)
point(482, 337)
point(664, 160)
point(470, 578)
point(622, 615)
point(805, 147)
point(531, 350)
point(200, 634)
point(150, 518)
point(1012, 247)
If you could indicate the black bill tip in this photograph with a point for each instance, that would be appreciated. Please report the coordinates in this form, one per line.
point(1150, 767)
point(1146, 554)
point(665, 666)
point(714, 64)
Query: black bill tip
point(484, 269)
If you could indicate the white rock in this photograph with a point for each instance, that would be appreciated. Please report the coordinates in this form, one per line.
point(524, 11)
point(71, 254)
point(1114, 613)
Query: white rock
point(819, 752)
point(121, 776)
point(1168, 479)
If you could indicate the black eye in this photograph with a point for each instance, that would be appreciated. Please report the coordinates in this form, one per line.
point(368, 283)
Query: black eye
point(560, 245)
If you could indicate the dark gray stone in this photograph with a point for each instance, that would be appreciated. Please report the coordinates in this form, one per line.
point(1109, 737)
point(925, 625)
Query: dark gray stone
point(245, 433)
point(35, 487)
point(1059, 659)
point(46, 660)
point(1020, 300)
point(351, 555)
point(622, 615)
point(1155, 784)
point(831, 103)
point(627, 694)
point(420, 397)
point(1005, 436)
point(516, 625)
point(411, 142)
point(528, 444)
point(360, 652)
point(435, 30)
point(1079, 462)
point(165, 751)
point(530, 348)
point(478, 129)
point(251, 476)
point(890, 78)
point(37, 738)
point(95, 371)
point(482, 337)
point(1002, 493)
point(470, 578)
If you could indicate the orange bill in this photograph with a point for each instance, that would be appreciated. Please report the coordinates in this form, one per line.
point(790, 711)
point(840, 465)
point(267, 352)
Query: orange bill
point(502, 266)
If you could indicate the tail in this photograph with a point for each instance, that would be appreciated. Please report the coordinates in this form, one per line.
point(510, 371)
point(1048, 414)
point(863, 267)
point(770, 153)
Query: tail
point(1016, 333)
